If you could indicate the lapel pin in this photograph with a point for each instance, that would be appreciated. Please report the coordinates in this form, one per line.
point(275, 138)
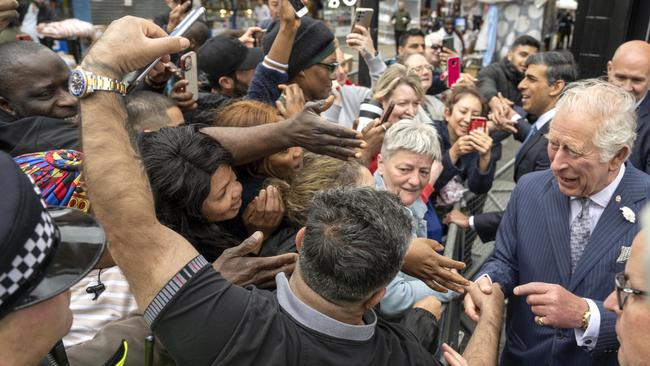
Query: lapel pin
point(618, 198)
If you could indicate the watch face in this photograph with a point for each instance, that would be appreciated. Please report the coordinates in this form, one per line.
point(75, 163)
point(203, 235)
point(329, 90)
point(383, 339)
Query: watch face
point(77, 83)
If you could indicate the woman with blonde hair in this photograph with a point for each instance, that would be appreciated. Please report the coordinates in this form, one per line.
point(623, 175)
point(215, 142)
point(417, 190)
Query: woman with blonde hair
point(319, 173)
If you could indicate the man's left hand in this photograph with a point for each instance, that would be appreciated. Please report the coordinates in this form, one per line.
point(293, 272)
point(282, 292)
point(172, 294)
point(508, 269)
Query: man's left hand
point(557, 307)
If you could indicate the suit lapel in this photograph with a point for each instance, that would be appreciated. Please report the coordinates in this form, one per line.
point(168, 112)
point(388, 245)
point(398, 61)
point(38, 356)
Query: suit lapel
point(557, 211)
point(611, 226)
point(528, 145)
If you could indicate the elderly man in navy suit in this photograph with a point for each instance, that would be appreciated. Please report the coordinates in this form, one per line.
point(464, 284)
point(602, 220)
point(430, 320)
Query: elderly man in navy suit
point(546, 75)
point(630, 69)
point(567, 231)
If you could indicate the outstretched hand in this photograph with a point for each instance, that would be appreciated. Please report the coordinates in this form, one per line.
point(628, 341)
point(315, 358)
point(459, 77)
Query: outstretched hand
point(109, 57)
point(435, 270)
point(236, 266)
point(316, 134)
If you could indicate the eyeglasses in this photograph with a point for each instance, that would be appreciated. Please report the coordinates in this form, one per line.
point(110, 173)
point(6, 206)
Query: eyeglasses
point(622, 292)
point(330, 67)
point(436, 47)
point(421, 69)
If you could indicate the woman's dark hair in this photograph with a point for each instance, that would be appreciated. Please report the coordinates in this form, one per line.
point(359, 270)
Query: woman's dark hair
point(460, 91)
point(180, 163)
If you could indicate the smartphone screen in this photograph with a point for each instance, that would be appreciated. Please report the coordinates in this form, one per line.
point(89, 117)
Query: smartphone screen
point(453, 71)
point(300, 8)
point(477, 123)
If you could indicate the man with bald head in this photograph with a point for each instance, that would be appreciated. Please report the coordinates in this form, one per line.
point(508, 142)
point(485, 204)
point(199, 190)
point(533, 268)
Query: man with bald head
point(630, 69)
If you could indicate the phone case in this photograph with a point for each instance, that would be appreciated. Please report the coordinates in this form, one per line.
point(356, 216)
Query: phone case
point(300, 8)
point(478, 123)
point(362, 17)
point(453, 70)
point(189, 69)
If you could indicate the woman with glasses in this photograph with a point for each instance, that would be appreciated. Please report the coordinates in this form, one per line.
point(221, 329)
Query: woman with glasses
point(300, 51)
point(468, 156)
point(431, 109)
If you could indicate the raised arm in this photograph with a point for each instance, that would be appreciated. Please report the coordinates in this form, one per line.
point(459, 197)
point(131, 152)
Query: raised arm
point(148, 253)
point(307, 129)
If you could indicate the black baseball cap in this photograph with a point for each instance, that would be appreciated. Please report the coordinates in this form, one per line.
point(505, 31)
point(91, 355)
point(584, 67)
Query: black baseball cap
point(222, 56)
point(43, 252)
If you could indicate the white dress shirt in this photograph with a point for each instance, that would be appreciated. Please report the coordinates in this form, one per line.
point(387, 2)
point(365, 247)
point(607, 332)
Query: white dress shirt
point(589, 337)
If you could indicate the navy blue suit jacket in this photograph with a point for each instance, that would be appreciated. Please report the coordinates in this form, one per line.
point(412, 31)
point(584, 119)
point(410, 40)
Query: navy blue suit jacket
point(640, 156)
point(533, 246)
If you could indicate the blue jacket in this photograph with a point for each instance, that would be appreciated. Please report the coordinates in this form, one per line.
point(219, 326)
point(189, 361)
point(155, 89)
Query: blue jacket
point(532, 245)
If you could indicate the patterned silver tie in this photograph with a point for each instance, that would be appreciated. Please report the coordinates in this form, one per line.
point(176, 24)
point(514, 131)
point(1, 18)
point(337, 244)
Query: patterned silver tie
point(580, 232)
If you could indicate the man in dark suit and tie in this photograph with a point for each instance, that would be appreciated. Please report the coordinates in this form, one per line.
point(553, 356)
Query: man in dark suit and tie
point(630, 69)
point(546, 75)
point(567, 231)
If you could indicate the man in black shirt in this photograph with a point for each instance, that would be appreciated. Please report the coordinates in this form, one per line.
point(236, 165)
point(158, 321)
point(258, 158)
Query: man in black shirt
point(322, 315)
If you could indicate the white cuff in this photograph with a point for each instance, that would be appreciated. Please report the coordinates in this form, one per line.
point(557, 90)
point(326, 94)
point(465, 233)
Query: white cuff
point(486, 276)
point(515, 118)
point(471, 225)
point(588, 337)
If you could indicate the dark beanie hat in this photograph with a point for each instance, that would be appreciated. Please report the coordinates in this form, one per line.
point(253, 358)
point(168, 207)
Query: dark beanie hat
point(312, 38)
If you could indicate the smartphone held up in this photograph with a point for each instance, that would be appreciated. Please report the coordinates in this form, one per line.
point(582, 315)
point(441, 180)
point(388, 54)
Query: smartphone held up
point(189, 71)
point(299, 7)
point(479, 124)
point(362, 17)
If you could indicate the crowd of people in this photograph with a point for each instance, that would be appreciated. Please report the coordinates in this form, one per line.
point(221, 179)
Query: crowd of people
point(284, 215)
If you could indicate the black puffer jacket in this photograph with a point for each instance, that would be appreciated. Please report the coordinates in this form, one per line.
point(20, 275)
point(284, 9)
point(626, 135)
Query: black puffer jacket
point(500, 77)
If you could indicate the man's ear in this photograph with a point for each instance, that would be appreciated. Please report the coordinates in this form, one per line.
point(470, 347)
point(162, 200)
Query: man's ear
point(375, 298)
point(619, 158)
point(556, 88)
point(5, 106)
point(226, 83)
point(400, 50)
point(299, 237)
point(610, 66)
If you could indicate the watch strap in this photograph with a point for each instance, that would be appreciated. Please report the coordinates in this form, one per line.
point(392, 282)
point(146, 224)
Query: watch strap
point(97, 82)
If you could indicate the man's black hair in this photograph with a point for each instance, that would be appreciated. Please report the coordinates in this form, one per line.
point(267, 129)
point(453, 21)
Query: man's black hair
point(526, 40)
point(413, 32)
point(11, 60)
point(559, 66)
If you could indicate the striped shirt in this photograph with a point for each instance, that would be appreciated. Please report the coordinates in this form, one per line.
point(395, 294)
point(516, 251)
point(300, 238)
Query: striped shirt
point(89, 316)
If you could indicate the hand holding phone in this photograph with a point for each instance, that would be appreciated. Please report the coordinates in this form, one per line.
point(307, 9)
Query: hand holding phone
point(179, 31)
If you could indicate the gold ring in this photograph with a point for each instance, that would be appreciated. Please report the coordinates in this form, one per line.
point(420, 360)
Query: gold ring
point(540, 321)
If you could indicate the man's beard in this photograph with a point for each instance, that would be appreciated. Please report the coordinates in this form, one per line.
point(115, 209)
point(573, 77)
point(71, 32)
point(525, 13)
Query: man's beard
point(239, 89)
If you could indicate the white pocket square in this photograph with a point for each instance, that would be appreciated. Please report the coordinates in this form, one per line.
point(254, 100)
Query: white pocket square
point(625, 254)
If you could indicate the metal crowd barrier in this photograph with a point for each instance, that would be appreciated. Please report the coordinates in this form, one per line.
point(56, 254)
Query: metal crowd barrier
point(455, 327)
